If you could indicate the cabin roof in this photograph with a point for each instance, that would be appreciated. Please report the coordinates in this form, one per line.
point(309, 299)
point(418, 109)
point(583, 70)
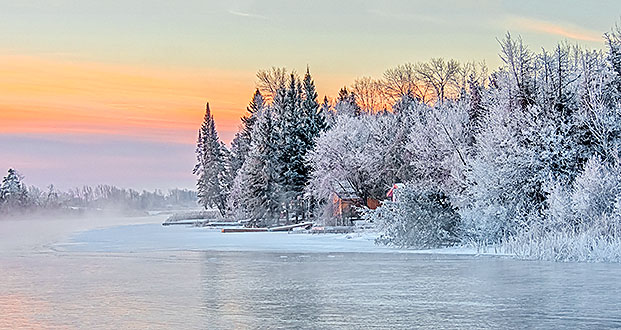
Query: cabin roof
point(344, 190)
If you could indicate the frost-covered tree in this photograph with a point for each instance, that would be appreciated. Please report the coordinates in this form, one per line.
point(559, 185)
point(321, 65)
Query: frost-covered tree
point(13, 193)
point(314, 116)
point(257, 185)
point(505, 177)
point(346, 103)
point(613, 41)
point(292, 140)
point(595, 191)
point(52, 199)
point(438, 145)
point(420, 218)
point(240, 146)
point(329, 113)
point(338, 157)
point(356, 150)
point(213, 182)
point(518, 60)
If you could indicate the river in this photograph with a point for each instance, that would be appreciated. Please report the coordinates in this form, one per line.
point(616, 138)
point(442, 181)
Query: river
point(135, 274)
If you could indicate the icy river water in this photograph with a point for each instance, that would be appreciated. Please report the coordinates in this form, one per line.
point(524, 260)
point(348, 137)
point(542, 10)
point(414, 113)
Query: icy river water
point(142, 275)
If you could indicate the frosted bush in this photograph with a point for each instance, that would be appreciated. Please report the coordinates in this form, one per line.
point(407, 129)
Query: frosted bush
point(421, 218)
point(581, 225)
point(585, 245)
point(595, 191)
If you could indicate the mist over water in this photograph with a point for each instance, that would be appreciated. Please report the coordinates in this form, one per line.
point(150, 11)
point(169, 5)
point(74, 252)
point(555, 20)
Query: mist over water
point(100, 273)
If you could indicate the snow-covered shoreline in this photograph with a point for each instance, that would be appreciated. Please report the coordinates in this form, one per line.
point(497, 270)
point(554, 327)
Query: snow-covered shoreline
point(147, 237)
point(136, 234)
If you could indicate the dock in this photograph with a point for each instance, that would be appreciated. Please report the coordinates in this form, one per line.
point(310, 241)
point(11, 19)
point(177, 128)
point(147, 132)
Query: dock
point(196, 223)
point(243, 230)
point(305, 225)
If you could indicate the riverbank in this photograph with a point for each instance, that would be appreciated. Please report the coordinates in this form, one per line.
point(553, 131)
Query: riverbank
point(145, 233)
point(148, 237)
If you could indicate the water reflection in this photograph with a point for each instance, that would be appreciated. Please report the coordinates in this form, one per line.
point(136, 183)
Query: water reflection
point(245, 290)
point(248, 290)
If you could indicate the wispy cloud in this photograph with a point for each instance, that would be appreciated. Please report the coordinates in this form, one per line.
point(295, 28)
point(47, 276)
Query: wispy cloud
point(564, 30)
point(242, 14)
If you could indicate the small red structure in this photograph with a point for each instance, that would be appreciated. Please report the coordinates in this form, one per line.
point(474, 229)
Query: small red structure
point(345, 202)
point(393, 193)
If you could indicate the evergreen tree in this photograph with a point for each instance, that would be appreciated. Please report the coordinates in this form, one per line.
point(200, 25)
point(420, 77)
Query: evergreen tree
point(213, 176)
point(13, 193)
point(327, 112)
point(293, 138)
point(51, 200)
point(240, 146)
point(297, 122)
point(314, 117)
point(258, 182)
point(346, 103)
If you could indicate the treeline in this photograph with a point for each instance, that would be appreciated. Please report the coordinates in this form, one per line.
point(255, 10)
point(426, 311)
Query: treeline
point(525, 157)
point(264, 175)
point(17, 198)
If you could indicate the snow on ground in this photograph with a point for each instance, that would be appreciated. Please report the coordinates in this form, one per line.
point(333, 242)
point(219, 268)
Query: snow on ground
point(142, 234)
point(154, 237)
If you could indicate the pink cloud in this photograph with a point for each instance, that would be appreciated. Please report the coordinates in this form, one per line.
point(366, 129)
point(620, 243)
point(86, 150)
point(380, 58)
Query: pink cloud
point(566, 30)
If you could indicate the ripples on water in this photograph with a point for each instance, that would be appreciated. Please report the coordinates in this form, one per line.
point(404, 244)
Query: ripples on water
point(247, 290)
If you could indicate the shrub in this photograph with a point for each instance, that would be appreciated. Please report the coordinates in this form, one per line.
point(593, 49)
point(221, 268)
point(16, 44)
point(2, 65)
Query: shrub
point(421, 218)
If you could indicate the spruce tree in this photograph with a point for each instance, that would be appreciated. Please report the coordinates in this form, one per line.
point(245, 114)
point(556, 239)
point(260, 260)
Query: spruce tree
point(294, 139)
point(13, 193)
point(327, 113)
point(346, 103)
point(211, 168)
point(259, 177)
point(240, 146)
point(314, 120)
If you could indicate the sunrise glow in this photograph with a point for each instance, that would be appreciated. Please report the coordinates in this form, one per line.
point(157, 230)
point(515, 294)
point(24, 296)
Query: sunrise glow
point(69, 75)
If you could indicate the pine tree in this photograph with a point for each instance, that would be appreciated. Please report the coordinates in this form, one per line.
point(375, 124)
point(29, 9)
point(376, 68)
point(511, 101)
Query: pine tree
point(346, 103)
point(294, 139)
point(13, 193)
point(293, 146)
point(327, 112)
point(259, 177)
point(314, 118)
point(240, 146)
point(297, 122)
point(52, 199)
point(213, 176)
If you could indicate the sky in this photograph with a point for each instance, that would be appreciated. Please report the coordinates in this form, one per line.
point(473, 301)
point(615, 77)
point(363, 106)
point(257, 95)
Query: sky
point(114, 91)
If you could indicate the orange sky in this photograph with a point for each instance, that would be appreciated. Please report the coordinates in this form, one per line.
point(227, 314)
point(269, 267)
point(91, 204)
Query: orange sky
point(51, 96)
point(74, 122)
point(120, 87)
